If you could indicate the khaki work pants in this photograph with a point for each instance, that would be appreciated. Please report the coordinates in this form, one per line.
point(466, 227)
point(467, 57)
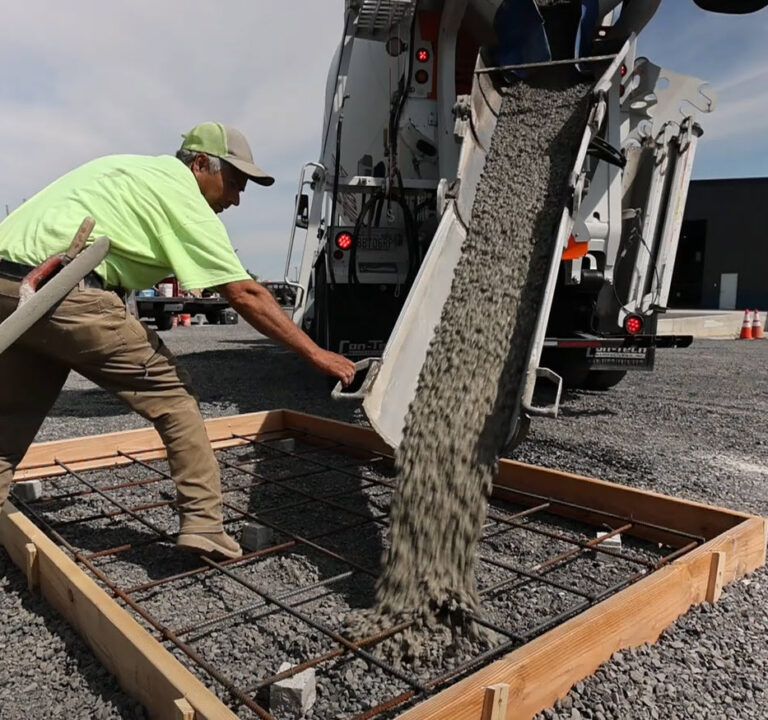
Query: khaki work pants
point(92, 332)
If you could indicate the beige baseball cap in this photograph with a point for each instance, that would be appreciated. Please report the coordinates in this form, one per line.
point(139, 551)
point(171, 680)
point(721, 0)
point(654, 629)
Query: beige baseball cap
point(227, 143)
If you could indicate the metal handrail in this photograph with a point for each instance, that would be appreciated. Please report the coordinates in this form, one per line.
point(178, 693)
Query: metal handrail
point(299, 287)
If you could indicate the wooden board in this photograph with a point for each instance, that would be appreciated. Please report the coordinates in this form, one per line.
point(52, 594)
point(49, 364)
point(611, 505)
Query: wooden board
point(537, 673)
point(685, 516)
point(103, 450)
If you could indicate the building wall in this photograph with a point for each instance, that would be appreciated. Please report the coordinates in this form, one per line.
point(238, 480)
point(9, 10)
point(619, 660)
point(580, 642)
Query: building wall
point(735, 238)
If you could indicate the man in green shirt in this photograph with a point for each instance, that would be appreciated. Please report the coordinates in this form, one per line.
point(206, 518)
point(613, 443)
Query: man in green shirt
point(160, 214)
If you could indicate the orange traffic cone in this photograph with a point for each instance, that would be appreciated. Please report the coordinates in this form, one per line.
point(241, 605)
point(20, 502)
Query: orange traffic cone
point(757, 326)
point(746, 326)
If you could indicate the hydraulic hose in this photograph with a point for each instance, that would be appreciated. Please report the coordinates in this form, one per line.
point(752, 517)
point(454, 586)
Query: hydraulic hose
point(394, 117)
point(336, 171)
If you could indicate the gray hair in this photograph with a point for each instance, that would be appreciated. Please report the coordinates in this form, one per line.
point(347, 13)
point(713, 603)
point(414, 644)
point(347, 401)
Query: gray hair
point(188, 157)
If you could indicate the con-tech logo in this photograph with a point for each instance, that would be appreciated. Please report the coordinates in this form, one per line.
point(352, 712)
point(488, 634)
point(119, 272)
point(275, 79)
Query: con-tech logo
point(368, 348)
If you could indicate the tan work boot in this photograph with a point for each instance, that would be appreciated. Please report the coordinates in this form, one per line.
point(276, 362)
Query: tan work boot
point(215, 545)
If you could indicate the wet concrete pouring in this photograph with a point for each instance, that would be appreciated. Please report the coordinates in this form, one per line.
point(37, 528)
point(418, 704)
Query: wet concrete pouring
point(460, 418)
point(289, 601)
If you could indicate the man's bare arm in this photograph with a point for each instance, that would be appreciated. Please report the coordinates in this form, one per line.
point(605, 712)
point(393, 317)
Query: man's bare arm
point(257, 306)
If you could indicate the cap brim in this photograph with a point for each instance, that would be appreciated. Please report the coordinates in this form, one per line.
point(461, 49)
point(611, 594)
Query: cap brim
point(254, 172)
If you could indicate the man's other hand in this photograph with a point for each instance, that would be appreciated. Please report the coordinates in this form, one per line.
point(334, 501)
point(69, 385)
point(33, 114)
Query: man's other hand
point(335, 365)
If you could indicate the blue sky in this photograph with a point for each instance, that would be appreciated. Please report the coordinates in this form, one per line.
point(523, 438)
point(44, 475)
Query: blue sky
point(85, 78)
point(731, 53)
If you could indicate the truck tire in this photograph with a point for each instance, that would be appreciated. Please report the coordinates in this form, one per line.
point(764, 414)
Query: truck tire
point(227, 316)
point(571, 365)
point(519, 432)
point(213, 318)
point(604, 379)
point(164, 321)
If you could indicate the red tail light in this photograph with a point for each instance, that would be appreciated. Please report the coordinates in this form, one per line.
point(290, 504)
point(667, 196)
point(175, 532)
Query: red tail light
point(422, 55)
point(633, 324)
point(344, 241)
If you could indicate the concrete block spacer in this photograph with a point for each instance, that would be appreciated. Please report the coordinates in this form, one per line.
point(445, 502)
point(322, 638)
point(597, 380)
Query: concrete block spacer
point(293, 695)
point(256, 537)
point(610, 541)
point(28, 490)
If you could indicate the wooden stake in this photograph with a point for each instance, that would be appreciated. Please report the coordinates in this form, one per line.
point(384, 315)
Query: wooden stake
point(716, 574)
point(495, 702)
point(182, 710)
point(32, 567)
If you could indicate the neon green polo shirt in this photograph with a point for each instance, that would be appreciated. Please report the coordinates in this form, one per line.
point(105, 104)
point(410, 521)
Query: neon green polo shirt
point(152, 210)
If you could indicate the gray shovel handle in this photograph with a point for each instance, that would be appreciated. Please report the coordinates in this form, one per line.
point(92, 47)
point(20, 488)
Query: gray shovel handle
point(370, 364)
point(18, 322)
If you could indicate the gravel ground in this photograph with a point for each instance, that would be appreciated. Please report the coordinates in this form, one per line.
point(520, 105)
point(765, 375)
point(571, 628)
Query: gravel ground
point(691, 429)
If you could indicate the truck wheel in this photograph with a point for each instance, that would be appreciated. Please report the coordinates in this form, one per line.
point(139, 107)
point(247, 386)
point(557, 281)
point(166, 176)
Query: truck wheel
point(519, 432)
point(164, 321)
point(571, 365)
point(228, 317)
point(604, 379)
point(212, 318)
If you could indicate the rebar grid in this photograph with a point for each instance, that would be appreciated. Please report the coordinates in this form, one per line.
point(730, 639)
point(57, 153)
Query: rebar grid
point(313, 497)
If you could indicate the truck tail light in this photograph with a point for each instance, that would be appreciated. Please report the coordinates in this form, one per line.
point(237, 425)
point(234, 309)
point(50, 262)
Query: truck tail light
point(633, 324)
point(344, 241)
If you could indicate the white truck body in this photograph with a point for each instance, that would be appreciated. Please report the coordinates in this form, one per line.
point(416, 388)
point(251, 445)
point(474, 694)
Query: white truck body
point(410, 112)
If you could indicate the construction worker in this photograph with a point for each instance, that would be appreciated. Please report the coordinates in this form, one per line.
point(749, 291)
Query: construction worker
point(160, 215)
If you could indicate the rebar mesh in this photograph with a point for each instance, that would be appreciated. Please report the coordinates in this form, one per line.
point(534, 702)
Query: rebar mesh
point(234, 623)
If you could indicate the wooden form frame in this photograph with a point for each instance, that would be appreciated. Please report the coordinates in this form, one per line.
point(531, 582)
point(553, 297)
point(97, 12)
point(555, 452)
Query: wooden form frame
point(518, 685)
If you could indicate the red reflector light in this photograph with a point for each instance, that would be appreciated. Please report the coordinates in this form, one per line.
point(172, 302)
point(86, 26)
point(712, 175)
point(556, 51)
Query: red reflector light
point(623, 70)
point(344, 241)
point(633, 324)
point(422, 55)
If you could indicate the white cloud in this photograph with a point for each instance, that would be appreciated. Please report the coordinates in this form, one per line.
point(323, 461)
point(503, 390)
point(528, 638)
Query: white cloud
point(86, 77)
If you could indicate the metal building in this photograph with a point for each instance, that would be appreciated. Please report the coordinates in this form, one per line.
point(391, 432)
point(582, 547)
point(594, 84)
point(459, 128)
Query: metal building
point(722, 258)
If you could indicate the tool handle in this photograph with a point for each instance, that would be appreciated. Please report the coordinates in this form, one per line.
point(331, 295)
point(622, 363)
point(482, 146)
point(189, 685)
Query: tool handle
point(78, 242)
point(370, 364)
point(40, 302)
point(32, 280)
